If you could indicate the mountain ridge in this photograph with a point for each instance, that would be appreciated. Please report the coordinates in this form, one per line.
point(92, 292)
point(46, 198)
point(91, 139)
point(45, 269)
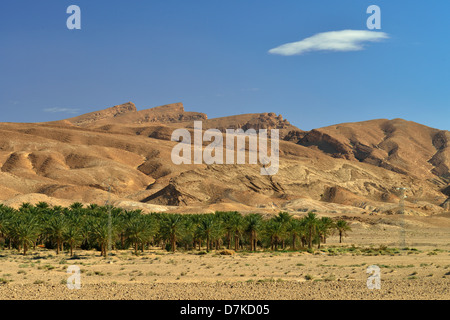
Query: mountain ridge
point(351, 167)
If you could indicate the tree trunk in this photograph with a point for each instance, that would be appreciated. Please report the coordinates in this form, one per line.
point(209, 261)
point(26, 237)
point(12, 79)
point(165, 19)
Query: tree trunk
point(303, 239)
point(174, 244)
point(310, 238)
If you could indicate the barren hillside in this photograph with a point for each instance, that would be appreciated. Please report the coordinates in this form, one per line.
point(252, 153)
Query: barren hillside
point(397, 145)
point(353, 167)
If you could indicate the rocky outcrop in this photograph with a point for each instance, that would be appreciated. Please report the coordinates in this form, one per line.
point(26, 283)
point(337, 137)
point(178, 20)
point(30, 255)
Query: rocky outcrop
point(109, 113)
point(441, 159)
point(326, 143)
point(128, 114)
point(397, 145)
point(171, 113)
point(446, 205)
point(446, 191)
point(256, 121)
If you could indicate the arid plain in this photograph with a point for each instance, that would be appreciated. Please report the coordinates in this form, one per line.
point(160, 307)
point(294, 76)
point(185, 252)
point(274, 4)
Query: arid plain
point(421, 270)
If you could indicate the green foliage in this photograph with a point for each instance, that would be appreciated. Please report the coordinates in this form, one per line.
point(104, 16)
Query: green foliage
point(98, 227)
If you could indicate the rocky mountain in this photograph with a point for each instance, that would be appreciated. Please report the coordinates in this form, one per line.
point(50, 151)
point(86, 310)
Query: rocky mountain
point(106, 114)
point(128, 114)
point(397, 145)
point(352, 167)
point(255, 121)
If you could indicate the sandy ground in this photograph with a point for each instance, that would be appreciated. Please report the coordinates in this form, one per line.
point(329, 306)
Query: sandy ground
point(338, 271)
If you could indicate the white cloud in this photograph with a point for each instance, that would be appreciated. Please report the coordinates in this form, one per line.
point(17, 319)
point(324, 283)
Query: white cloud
point(62, 110)
point(344, 40)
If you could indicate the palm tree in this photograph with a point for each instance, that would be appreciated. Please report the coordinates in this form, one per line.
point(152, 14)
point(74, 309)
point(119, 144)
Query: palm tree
point(311, 223)
point(206, 229)
point(152, 228)
point(6, 216)
point(237, 228)
point(284, 218)
point(253, 226)
point(73, 236)
point(191, 234)
point(56, 228)
point(325, 228)
point(218, 231)
point(86, 230)
point(275, 231)
point(58, 208)
point(296, 230)
point(171, 229)
point(121, 221)
point(342, 227)
point(73, 233)
point(42, 205)
point(138, 231)
point(76, 206)
point(228, 222)
point(24, 231)
point(100, 232)
point(25, 206)
point(93, 206)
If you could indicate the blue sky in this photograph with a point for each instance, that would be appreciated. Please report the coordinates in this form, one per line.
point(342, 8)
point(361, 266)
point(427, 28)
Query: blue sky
point(214, 57)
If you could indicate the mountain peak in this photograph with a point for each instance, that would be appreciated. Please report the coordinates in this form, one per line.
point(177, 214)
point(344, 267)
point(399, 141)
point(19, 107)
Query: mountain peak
point(104, 114)
point(126, 107)
point(127, 113)
point(172, 107)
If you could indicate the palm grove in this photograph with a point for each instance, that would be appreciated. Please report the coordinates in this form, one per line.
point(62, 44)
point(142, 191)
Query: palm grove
point(87, 228)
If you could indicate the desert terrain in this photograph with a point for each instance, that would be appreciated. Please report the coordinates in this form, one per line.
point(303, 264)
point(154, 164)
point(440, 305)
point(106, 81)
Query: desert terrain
point(122, 156)
point(421, 270)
